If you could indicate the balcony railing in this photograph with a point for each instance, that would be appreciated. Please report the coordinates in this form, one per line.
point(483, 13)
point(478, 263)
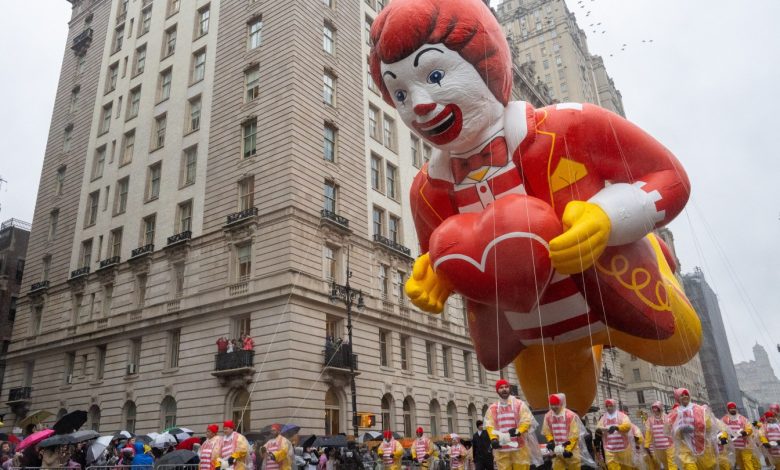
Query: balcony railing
point(241, 215)
point(392, 245)
point(234, 360)
point(179, 237)
point(16, 223)
point(338, 355)
point(20, 393)
point(79, 272)
point(109, 262)
point(335, 218)
point(82, 41)
point(39, 285)
point(142, 250)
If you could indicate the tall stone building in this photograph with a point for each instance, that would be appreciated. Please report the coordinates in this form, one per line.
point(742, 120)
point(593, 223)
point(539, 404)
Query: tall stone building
point(715, 353)
point(545, 34)
point(213, 167)
point(757, 378)
point(14, 235)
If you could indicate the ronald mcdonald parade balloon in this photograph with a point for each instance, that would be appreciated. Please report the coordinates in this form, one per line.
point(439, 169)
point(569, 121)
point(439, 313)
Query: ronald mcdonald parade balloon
point(542, 219)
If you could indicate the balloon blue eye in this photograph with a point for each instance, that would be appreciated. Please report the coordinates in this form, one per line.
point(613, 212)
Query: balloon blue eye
point(400, 96)
point(436, 76)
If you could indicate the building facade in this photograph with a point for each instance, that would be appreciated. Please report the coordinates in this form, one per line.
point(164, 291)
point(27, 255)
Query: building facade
point(14, 235)
point(757, 378)
point(214, 167)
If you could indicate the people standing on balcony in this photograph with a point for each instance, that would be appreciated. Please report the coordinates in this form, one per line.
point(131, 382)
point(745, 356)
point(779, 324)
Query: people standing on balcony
point(209, 450)
point(423, 450)
point(248, 343)
point(234, 448)
point(222, 345)
point(278, 450)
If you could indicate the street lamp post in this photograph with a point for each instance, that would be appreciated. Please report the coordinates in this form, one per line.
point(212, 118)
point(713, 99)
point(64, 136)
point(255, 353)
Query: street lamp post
point(607, 374)
point(348, 295)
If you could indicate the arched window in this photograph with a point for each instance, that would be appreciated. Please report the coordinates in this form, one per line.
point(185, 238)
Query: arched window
point(484, 412)
point(408, 416)
point(333, 412)
point(472, 419)
point(435, 411)
point(242, 411)
point(452, 417)
point(93, 418)
point(168, 412)
point(388, 416)
point(128, 416)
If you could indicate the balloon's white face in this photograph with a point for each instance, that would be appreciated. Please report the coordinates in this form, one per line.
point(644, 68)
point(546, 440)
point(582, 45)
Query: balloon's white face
point(442, 97)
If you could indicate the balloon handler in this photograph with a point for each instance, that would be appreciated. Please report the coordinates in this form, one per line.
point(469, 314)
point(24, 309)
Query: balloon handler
point(541, 218)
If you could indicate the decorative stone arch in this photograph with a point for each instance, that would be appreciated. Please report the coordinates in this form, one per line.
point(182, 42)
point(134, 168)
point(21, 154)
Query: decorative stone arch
point(238, 407)
point(388, 411)
point(335, 411)
point(452, 417)
point(472, 414)
point(410, 418)
point(168, 409)
point(93, 418)
point(129, 411)
point(434, 411)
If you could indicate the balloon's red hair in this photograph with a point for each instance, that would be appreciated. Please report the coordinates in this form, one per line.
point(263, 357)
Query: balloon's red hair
point(465, 26)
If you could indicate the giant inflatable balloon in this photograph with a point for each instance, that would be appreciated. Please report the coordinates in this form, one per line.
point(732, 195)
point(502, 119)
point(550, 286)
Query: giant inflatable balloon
point(541, 218)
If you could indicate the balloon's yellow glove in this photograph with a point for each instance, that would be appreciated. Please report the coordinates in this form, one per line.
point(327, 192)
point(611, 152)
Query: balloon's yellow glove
point(426, 289)
point(586, 229)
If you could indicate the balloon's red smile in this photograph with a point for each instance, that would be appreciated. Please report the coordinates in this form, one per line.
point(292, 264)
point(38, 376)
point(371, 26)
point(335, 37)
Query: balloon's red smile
point(444, 127)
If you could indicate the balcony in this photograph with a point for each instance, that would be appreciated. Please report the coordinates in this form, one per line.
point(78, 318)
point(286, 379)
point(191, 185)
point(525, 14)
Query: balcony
point(336, 360)
point(142, 250)
point(179, 237)
point(397, 247)
point(83, 271)
point(234, 369)
point(82, 42)
point(109, 262)
point(19, 394)
point(240, 216)
point(43, 285)
point(335, 219)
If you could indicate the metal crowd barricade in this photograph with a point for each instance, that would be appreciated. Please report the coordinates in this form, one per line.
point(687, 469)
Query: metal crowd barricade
point(108, 467)
point(39, 468)
point(189, 466)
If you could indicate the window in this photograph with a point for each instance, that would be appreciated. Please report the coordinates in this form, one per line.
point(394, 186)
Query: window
point(384, 352)
point(392, 176)
point(244, 261)
point(59, 182)
point(54, 217)
point(250, 132)
point(46, 267)
point(153, 176)
point(387, 412)
point(105, 120)
point(467, 365)
point(184, 216)
point(189, 165)
point(370, 80)
point(447, 360)
point(92, 208)
point(330, 196)
point(246, 193)
point(128, 416)
point(116, 243)
point(398, 289)
point(85, 256)
point(255, 33)
point(70, 363)
point(328, 88)
point(331, 255)
point(328, 39)
point(118, 107)
point(135, 102)
point(67, 136)
point(333, 413)
point(74, 99)
point(108, 297)
point(203, 20)
point(368, 24)
point(637, 375)
point(169, 42)
point(405, 344)
point(328, 3)
point(140, 60)
point(173, 6)
point(148, 226)
point(434, 414)
point(160, 123)
point(329, 143)
point(174, 340)
point(546, 64)
point(134, 356)
point(388, 135)
point(35, 323)
point(168, 412)
point(178, 280)
point(119, 36)
point(128, 147)
point(100, 362)
point(383, 285)
point(146, 21)
point(165, 84)
point(415, 148)
point(640, 397)
point(82, 63)
point(252, 77)
point(427, 152)
point(393, 228)
point(373, 128)
point(198, 65)
point(452, 417)
point(140, 290)
point(430, 357)
point(194, 119)
point(376, 173)
point(378, 219)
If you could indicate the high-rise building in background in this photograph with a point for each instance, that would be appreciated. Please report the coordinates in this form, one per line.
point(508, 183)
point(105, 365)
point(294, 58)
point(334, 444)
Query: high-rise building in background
point(757, 378)
point(715, 353)
point(211, 168)
point(14, 235)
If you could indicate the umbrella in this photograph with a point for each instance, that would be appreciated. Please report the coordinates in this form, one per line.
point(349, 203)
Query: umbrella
point(164, 440)
point(146, 439)
point(98, 447)
point(122, 435)
point(372, 436)
point(339, 440)
point(308, 441)
point(34, 438)
point(34, 418)
point(177, 457)
point(181, 434)
point(289, 430)
point(70, 422)
point(56, 440)
point(83, 436)
point(188, 443)
point(259, 436)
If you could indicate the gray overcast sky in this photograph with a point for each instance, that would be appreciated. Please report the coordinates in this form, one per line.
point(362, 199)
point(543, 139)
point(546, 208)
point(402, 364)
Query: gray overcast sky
point(706, 87)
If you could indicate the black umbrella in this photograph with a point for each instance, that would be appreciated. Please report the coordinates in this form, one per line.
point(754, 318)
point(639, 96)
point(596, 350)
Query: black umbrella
point(259, 436)
point(177, 457)
point(83, 436)
point(70, 422)
point(56, 440)
point(338, 440)
point(306, 442)
point(144, 439)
